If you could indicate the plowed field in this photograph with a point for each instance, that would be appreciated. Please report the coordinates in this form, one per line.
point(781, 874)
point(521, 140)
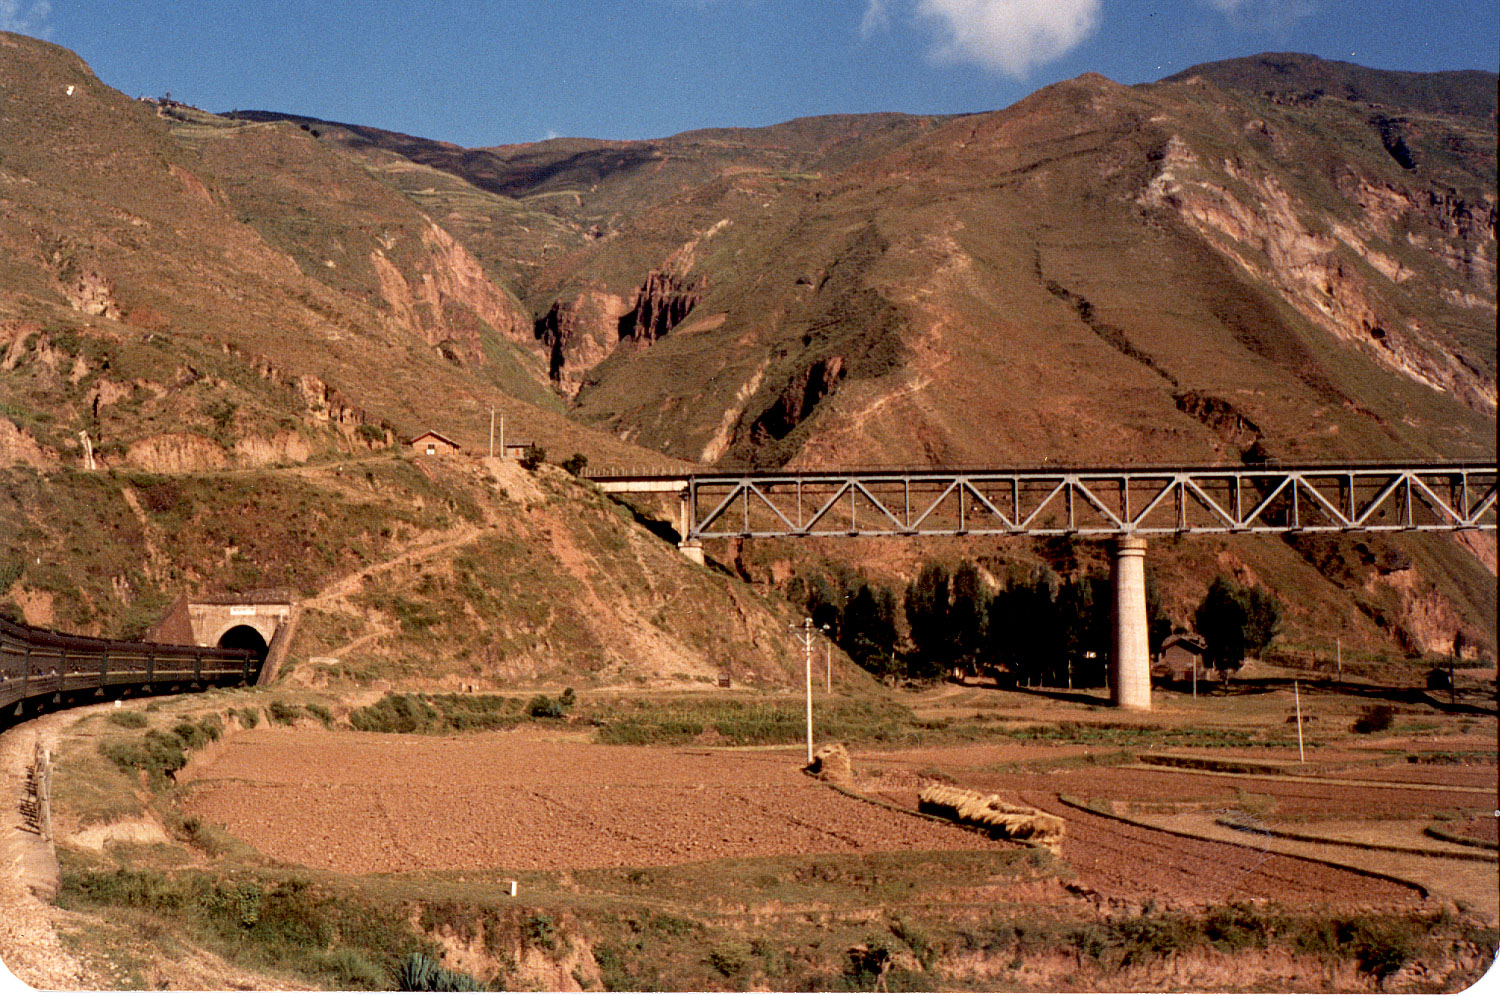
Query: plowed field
point(519, 801)
point(379, 802)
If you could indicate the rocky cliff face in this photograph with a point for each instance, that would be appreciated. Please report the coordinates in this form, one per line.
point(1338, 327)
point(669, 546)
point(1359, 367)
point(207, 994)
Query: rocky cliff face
point(446, 298)
point(1336, 267)
point(579, 333)
point(661, 303)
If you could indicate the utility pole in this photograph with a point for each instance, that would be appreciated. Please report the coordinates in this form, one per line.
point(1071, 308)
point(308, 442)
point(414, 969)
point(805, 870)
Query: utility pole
point(828, 665)
point(1297, 700)
point(492, 432)
point(806, 636)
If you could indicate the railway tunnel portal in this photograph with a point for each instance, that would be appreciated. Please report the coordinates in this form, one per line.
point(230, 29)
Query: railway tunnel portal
point(258, 621)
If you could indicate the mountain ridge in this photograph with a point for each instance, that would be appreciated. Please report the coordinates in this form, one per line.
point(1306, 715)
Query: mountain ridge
point(1098, 273)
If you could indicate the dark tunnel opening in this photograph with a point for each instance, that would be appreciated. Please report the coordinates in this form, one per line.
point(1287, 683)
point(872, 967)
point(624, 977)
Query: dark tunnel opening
point(245, 638)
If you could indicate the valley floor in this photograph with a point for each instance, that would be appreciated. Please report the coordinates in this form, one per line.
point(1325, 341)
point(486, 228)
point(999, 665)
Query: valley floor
point(702, 865)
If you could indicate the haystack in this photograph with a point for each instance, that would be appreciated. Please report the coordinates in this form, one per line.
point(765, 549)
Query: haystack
point(831, 763)
point(990, 812)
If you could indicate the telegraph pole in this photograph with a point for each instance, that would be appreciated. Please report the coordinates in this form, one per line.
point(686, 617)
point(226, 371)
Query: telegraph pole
point(492, 432)
point(806, 636)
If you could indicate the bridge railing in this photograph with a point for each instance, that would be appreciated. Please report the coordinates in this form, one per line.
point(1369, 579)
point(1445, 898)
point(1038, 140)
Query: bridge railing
point(37, 662)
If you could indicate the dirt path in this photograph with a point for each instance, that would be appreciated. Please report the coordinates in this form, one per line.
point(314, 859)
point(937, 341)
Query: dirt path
point(335, 597)
point(337, 594)
point(29, 945)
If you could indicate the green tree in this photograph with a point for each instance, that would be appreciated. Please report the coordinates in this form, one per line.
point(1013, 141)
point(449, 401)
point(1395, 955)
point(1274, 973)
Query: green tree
point(928, 621)
point(1083, 618)
point(1235, 622)
point(1158, 623)
point(869, 630)
point(966, 617)
point(532, 456)
point(1023, 631)
point(575, 464)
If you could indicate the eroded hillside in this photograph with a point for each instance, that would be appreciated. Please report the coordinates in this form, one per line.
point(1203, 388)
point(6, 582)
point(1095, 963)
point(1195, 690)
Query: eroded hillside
point(1282, 257)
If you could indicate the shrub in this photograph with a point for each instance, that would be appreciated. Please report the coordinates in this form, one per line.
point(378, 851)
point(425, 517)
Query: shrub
point(1374, 719)
point(285, 713)
point(394, 714)
point(159, 753)
point(532, 456)
point(730, 958)
point(575, 464)
point(420, 974)
point(353, 970)
point(541, 931)
point(543, 707)
point(321, 714)
point(249, 717)
point(128, 718)
point(868, 964)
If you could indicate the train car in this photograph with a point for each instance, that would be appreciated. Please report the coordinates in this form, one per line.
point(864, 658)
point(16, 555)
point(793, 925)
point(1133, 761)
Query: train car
point(42, 665)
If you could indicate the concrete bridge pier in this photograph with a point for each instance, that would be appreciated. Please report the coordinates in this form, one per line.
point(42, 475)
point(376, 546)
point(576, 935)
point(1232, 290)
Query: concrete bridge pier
point(1130, 653)
point(690, 548)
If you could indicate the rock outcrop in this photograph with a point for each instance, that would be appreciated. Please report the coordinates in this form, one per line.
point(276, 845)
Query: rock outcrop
point(798, 399)
point(448, 297)
point(661, 303)
point(580, 333)
point(1315, 264)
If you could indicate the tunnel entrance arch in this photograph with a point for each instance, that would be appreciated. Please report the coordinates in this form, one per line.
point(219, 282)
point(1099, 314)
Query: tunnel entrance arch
point(244, 637)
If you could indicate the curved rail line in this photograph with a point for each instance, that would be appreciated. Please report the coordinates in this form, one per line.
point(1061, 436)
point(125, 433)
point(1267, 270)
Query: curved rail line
point(39, 667)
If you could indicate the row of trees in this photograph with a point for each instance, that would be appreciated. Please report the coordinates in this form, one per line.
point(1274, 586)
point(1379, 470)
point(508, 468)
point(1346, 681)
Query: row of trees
point(1038, 629)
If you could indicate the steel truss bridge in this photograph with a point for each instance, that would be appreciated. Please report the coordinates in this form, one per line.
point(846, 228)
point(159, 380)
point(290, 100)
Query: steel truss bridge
point(1082, 501)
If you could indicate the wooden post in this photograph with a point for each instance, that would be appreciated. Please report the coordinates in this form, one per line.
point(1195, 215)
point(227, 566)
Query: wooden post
point(43, 770)
point(1297, 699)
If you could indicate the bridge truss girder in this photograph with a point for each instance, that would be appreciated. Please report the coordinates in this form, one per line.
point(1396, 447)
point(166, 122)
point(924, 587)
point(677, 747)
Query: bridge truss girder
point(1094, 502)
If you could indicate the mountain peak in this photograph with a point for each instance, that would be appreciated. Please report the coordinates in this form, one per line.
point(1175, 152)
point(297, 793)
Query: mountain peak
point(1467, 93)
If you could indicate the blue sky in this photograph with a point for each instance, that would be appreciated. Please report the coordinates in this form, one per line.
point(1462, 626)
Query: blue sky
point(487, 72)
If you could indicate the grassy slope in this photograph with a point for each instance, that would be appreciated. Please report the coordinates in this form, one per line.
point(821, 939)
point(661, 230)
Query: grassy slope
point(456, 575)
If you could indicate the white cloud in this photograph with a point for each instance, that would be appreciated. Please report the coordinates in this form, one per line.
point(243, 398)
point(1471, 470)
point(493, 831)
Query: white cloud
point(1262, 15)
point(1009, 36)
point(26, 19)
point(877, 17)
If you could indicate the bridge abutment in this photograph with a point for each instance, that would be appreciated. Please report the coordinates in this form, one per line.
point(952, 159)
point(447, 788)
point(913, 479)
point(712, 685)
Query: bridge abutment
point(1130, 651)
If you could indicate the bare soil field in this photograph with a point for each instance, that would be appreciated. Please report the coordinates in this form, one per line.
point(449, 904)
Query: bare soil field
point(520, 800)
point(1122, 861)
point(1320, 796)
point(516, 800)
